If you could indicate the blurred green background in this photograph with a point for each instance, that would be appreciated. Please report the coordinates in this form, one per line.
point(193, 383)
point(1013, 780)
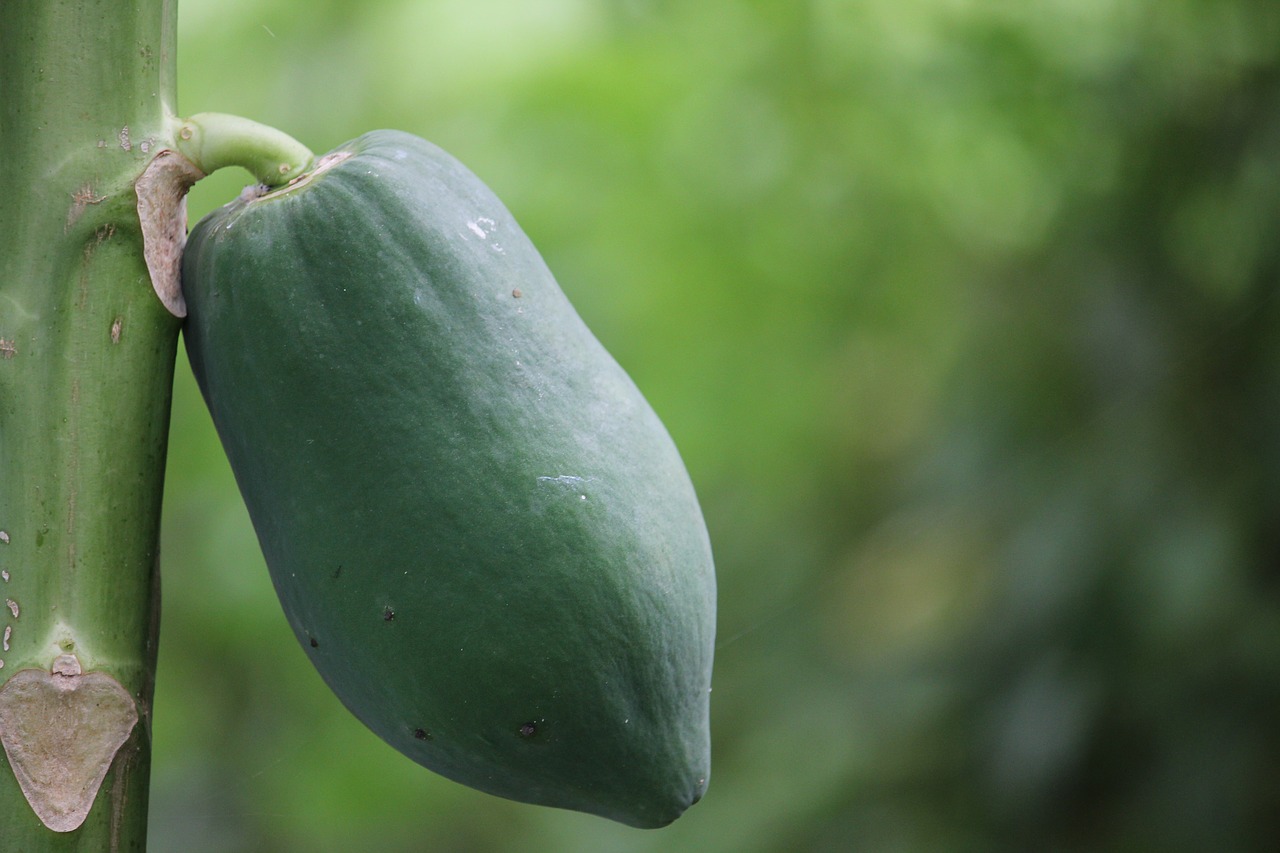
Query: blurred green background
point(964, 315)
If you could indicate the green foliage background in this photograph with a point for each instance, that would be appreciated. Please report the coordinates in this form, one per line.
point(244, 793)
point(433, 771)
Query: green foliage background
point(964, 315)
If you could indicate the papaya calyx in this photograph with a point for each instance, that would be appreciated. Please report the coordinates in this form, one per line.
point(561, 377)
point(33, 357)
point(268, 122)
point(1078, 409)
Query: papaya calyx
point(319, 167)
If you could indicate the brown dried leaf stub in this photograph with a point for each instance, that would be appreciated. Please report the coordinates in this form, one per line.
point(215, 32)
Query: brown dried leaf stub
point(162, 209)
point(61, 730)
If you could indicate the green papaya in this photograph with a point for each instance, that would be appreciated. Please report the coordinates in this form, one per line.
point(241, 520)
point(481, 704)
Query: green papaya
point(479, 530)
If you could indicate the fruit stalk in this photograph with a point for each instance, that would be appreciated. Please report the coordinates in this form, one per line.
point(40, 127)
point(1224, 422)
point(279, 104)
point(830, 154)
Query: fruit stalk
point(211, 141)
point(86, 362)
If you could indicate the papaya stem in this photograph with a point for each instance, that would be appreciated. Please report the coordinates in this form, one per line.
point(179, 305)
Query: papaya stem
point(86, 376)
point(214, 140)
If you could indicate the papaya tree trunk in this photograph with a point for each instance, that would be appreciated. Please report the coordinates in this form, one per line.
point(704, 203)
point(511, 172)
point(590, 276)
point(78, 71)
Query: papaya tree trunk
point(86, 363)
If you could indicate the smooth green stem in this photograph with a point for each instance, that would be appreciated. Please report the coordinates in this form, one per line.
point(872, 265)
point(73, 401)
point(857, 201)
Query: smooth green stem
point(86, 362)
point(214, 140)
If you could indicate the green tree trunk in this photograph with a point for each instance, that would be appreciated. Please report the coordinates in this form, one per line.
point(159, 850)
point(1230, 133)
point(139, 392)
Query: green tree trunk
point(86, 363)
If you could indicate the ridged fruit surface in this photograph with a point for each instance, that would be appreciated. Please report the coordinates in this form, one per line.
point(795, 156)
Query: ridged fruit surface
point(479, 530)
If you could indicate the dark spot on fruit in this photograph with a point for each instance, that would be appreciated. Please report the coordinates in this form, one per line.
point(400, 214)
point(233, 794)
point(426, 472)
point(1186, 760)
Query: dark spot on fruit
point(337, 573)
point(388, 614)
point(528, 730)
point(315, 644)
point(422, 734)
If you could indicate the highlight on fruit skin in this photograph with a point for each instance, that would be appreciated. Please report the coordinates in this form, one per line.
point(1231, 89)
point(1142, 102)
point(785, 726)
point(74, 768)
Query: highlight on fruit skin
point(480, 532)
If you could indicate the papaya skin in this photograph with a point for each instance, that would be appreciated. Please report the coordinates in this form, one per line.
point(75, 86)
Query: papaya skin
point(479, 531)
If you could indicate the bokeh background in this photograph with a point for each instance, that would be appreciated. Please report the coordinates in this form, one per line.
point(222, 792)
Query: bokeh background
point(964, 314)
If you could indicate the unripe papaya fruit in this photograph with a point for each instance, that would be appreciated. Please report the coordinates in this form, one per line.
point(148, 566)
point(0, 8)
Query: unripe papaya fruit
point(480, 532)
